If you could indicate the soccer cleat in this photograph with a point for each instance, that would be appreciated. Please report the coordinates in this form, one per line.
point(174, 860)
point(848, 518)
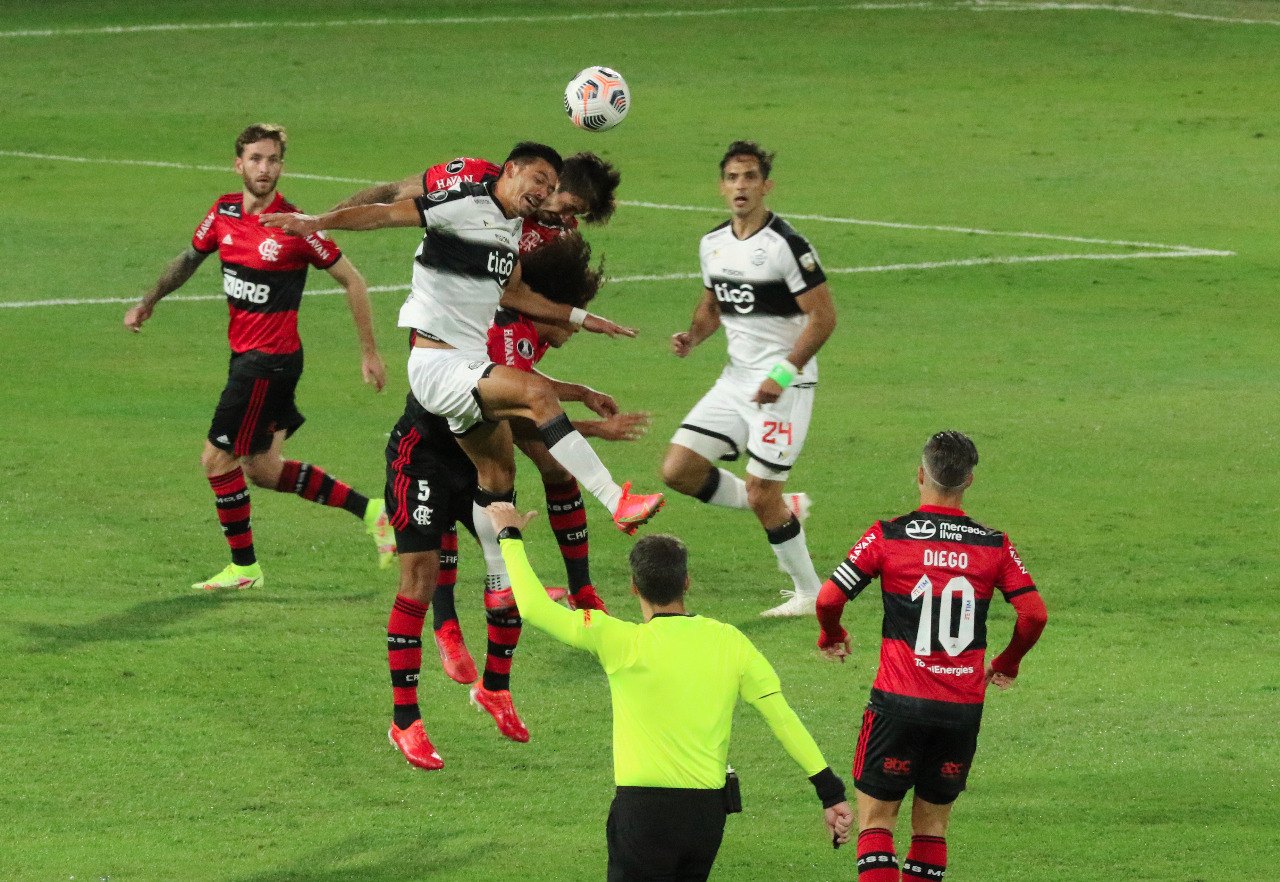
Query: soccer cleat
point(636, 509)
point(235, 577)
point(457, 661)
point(416, 746)
point(587, 598)
point(796, 604)
point(798, 504)
point(378, 525)
point(498, 704)
point(505, 598)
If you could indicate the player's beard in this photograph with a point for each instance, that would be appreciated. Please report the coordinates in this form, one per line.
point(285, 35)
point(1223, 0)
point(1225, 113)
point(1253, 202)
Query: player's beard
point(259, 188)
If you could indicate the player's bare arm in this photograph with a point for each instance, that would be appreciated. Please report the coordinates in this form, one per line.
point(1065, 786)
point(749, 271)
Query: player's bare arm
point(173, 277)
point(371, 366)
point(403, 213)
point(705, 322)
point(816, 303)
point(392, 191)
point(520, 297)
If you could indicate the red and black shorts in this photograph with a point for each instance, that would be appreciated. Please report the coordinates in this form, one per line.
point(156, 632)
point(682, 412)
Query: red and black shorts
point(258, 401)
point(430, 481)
point(895, 754)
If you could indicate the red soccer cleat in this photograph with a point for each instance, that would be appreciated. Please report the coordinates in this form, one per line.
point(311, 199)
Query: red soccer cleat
point(498, 703)
point(416, 746)
point(636, 509)
point(505, 598)
point(587, 598)
point(454, 656)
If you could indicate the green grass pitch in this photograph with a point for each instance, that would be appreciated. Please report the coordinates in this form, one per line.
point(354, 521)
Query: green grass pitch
point(1124, 398)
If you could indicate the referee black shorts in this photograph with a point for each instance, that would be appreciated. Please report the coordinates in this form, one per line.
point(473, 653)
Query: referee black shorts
point(668, 833)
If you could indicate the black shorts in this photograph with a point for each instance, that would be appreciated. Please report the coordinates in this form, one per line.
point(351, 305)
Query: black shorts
point(896, 754)
point(257, 402)
point(430, 481)
point(664, 833)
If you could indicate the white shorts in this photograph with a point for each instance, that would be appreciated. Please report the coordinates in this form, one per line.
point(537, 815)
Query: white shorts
point(444, 382)
point(725, 424)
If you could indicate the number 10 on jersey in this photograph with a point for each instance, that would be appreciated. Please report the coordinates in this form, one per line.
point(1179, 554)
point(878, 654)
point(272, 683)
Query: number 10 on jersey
point(956, 643)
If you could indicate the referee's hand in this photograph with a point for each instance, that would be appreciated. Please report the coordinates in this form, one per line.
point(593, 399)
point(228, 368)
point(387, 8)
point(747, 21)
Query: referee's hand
point(504, 514)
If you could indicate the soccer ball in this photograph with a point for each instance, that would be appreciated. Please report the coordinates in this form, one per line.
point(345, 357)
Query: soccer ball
point(597, 99)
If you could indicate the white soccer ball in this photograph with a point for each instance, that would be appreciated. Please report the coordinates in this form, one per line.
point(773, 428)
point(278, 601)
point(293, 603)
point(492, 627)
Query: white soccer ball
point(597, 99)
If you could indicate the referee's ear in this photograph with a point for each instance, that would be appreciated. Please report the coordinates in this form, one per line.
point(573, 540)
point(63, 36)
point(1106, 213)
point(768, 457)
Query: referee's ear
point(686, 585)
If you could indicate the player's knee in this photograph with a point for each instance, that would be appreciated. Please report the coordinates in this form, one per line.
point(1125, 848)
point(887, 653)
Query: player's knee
point(765, 499)
point(680, 475)
point(215, 461)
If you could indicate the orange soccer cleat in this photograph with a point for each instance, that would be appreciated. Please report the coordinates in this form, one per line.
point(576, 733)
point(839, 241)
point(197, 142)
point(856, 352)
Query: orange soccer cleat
point(505, 598)
point(416, 746)
point(454, 655)
point(498, 703)
point(587, 598)
point(635, 509)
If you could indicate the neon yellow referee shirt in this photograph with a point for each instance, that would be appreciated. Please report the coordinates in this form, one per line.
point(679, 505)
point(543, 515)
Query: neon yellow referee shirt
point(674, 681)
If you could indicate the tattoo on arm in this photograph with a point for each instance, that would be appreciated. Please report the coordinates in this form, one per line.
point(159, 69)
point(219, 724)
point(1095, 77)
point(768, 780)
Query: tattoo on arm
point(176, 274)
point(370, 196)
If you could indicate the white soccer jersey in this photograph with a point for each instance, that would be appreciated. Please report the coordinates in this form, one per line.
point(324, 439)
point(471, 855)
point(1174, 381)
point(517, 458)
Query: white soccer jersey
point(756, 281)
point(466, 257)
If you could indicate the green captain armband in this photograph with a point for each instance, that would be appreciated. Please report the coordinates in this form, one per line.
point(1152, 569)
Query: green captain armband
point(783, 373)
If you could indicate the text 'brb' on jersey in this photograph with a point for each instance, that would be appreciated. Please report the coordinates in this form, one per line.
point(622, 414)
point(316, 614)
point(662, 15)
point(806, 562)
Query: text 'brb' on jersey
point(938, 570)
point(263, 272)
point(756, 281)
point(467, 255)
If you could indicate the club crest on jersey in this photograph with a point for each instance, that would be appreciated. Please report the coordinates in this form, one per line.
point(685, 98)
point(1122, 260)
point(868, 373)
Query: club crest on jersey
point(758, 257)
point(921, 529)
point(269, 250)
point(808, 261)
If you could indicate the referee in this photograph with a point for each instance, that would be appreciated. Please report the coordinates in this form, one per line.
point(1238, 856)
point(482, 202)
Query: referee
point(674, 680)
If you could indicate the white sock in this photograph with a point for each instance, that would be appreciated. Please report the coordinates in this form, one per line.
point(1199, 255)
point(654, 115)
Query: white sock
point(574, 453)
point(498, 578)
point(731, 492)
point(793, 559)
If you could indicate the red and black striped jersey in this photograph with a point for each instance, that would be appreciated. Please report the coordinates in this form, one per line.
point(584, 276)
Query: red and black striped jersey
point(263, 272)
point(465, 169)
point(514, 341)
point(938, 571)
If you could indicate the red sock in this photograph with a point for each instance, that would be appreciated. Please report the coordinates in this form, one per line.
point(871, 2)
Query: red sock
point(568, 518)
point(404, 657)
point(504, 634)
point(927, 858)
point(231, 496)
point(314, 484)
point(877, 861)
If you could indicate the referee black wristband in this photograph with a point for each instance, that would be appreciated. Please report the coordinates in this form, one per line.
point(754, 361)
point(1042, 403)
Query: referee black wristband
point(829, 786)
point(510, 533)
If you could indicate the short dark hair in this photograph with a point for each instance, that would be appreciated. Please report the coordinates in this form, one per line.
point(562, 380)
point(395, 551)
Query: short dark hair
point(261, 132)
point(949, 458)
point(561, 270)
point(594, 180)
point(748, 148)
point(659, 568)
point(527, 151)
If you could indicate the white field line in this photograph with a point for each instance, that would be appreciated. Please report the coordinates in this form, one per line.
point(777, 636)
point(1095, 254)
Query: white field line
point(1161, 249)
point(960, 5)
point(673, 277)
point(459, 19)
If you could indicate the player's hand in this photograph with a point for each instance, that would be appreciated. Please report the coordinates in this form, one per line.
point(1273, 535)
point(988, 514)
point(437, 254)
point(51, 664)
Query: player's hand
point(623, 427)
point(837, 650)
point(134, 318)
point(504, 514)
point(374, 371)
point(681, 343)
point(768, 393)
point(995, 678)
point(839, 820)
point(600, 404)
point(598, 324)
point(294, 224)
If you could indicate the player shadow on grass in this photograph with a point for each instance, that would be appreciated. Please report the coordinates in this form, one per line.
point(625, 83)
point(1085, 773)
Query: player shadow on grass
point(154, 619)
